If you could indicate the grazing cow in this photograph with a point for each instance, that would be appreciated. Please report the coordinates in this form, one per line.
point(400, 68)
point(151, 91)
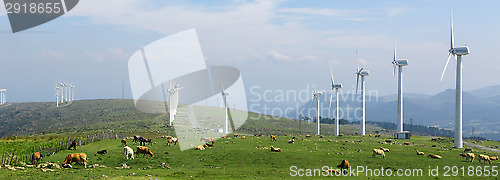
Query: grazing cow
point(73, 145)
point(308, 136)
point(172, 141)
point(236, 135)
point(494, 158)
point(291, 141)
point(406, 143)
point(144, 141)
point(124, 142)
point(137, 138)
point(344, 164)
point(321, 136)
point(378, 152)
point(207, 139)
point(378, 135)
point(470, 156)
point(468, 149)
point(370, 135)
point(434, 139)
point(144, 150)
point(357, 133)
point(36, 157)
point(76, 157)
point(243, 137)
point(102, 151)
point(200, 147)
point(484, 158)
point(384, 149)
point(341, 135)
point(273, 149)
point(128, 152)
point(273, 138)
point(420, 153)
point(463, 154)
point(433, 156)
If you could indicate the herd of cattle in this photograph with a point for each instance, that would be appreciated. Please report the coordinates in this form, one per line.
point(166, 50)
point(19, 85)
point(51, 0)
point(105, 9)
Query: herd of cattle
point(81, 158)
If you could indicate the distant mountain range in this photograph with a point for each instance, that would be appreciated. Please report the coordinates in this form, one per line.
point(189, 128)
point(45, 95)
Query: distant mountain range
point(481, 110)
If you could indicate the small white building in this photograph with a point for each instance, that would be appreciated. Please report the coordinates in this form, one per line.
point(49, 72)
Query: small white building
point(402, 135)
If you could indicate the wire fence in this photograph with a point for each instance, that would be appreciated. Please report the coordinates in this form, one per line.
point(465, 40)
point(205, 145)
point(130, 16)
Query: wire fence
point(48, 149)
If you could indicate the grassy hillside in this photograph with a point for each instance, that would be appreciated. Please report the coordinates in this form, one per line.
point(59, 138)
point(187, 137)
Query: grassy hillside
point(86, 116)
point(236, 158)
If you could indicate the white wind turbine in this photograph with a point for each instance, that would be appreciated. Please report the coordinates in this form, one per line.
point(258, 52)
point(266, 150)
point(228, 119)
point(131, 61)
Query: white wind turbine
point(173, 96)
point(336, 87)
point(399, 63)
point(316, 95)
point(457, 53)
point(3, 96)
point(57, 96)
point(226, 109)
point(362, 73)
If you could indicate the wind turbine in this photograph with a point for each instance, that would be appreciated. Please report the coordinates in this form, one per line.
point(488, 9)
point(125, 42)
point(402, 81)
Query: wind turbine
point(361, 73)
point(336, 87)
point(173, 93)
point(399, 63)
point(226, 109)
point(457, 53)
point(62, 92)
point(3, 98)
point(316, 95)
point(57, 96)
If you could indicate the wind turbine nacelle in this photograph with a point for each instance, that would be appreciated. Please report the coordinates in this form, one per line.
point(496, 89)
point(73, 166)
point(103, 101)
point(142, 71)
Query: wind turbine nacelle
point(402, 62)
point(225, 94)
point(337, 86)
point(318, 93)
point(364, 73)
point(464, 50)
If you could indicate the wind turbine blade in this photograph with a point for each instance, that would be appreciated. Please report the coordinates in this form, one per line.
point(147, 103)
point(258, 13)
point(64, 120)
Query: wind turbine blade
point(446, 65)
point(222, 88)
point(331, 74)
point(357, 61)
point(452, 42)
point(331, 97)
point(357, 83)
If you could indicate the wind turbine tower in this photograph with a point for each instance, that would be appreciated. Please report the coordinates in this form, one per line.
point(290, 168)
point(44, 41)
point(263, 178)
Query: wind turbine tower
point(336, 87)
point(226, 120)
point(316, 95)
point(3, 96)
point(362, 73)
point(399, 63)
point(457, 53)
point(173, 93)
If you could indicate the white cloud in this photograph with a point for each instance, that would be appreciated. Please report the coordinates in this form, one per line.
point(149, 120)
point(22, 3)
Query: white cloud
point(52, 54)
point(277, 56)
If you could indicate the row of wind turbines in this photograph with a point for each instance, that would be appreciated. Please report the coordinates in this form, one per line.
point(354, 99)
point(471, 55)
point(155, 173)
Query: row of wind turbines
point(456, 52)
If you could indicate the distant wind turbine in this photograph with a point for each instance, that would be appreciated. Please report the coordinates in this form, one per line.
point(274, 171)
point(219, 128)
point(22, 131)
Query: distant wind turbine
point(336, 87)
point(399, 63)
point(361, 73)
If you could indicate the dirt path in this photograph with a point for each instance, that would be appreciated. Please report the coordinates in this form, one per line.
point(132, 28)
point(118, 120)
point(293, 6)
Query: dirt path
point(482, 147)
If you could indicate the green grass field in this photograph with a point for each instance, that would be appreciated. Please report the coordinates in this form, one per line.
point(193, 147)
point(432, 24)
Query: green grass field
point(236, 158)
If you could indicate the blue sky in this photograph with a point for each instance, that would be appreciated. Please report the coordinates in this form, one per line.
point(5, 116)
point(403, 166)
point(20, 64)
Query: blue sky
point(278, 45)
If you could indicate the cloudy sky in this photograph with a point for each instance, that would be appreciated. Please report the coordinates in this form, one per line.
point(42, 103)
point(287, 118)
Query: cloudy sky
point(277, 45)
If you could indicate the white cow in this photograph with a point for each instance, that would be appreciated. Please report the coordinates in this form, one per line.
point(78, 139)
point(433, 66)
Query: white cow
point(128, 152)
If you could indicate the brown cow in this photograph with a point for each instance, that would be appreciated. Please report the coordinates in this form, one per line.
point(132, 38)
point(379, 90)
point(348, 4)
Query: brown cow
point(273, 138)
point(76, 157)
point(144, 150)
point(344, 164)
point(73, 145)
point(124, 142)
point(36, 157)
